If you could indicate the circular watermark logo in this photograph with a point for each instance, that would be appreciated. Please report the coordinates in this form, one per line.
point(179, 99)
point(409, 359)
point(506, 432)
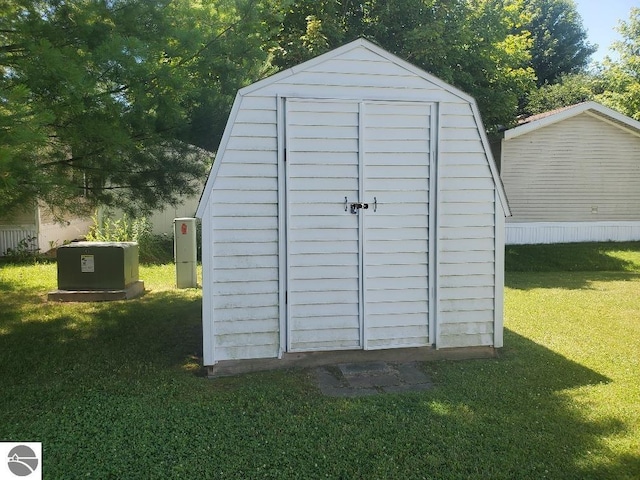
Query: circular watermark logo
point(22, 460)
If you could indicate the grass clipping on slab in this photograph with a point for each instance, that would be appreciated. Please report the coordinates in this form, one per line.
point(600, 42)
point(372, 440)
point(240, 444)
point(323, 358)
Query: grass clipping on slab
point(114, 390)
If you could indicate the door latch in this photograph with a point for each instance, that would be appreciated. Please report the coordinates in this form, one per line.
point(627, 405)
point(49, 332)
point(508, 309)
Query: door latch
point(358, 205)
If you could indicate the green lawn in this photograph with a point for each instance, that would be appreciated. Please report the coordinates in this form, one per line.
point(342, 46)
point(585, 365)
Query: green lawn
point(114, 390)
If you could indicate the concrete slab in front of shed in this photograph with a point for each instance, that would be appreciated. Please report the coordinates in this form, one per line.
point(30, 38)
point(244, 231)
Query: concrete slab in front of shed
point(360, 379)
point(368, 368)
point(394, 356)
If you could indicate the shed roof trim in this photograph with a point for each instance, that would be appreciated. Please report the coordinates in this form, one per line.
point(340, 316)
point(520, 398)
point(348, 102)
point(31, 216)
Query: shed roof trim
point(549, 118)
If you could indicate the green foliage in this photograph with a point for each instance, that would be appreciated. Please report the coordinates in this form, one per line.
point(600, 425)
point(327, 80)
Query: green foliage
point(569, 90)
point(560, 44)
point(114, 390)
point(153, 248)
point(477, 45)
point(107, 229)
point(106, 102)
point(616, 83)
point(101, 100)
point(622, 77)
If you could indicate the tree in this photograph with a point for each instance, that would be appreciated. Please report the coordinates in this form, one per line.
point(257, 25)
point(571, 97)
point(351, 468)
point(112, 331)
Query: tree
point(476, 45)
point(569, 90)
point(560, 44)
point(622, 76)
point(100, 100)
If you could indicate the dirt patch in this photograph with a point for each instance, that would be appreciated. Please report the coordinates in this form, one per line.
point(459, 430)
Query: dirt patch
point(371, 378)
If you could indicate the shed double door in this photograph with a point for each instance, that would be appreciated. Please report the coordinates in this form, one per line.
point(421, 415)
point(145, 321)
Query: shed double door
point(358, 202)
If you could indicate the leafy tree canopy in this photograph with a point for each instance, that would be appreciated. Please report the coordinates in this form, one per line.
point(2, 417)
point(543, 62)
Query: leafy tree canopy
point(100, 100)
point(616, 83)
point(560, 44)
point(622, 77)
point(570, 90)
point(476, 45)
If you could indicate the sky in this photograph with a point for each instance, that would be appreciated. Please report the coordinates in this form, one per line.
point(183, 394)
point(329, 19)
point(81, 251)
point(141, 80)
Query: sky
point(600, 18)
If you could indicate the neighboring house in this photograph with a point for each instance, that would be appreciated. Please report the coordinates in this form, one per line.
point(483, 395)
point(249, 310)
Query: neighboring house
point(354, 205)
point(573, 175)
point(162, 220)
point(37, 229)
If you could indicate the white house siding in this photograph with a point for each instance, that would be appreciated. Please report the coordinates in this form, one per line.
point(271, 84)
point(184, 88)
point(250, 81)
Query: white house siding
point(467, 232)
point(571, 232)
point(162, 220)
point(357, 74)
point(54, 234)
point(582, 169)
point(18, 227)
point(40, 230)
point(11, 238)
point(242, 280)
point(242, 267)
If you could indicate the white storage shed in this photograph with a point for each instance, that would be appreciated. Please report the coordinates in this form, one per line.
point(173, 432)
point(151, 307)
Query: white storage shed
point(573, 175)
point(353, 205)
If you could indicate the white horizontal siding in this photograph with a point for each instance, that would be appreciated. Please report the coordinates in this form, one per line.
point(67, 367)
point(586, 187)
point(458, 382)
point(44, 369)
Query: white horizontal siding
point(581, 169)
point(457, 285)
point(466, 233)
point(469, 257)
point(390, 90)
point(467, 334)
point(483, 289)
point(455, 209)
point(244, 269)
point(570, 232)
point(233, 315)
point(358, 74)
point(245, 349)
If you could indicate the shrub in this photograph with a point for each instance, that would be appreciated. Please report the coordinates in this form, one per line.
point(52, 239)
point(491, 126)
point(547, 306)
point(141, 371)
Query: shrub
point(26, 251)
point(153, 248)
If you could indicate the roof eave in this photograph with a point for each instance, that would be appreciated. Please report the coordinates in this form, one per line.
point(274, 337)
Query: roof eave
point(572, 112)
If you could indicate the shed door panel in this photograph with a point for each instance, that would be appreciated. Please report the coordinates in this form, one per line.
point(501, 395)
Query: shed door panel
point(396, 226)
point(357, 280)
point(322, 238)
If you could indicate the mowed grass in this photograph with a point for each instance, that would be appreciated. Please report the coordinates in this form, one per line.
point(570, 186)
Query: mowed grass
point(115, 390)
point(583, 302)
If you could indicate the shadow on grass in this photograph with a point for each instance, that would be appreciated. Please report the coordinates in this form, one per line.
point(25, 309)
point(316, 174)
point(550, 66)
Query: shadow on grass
point(570, 265)
point(571, 257)
point(515, 418)
point(87, 342)
point(564, 280)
